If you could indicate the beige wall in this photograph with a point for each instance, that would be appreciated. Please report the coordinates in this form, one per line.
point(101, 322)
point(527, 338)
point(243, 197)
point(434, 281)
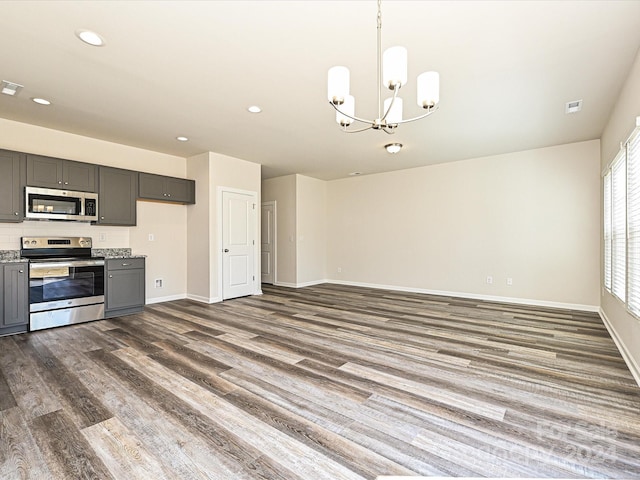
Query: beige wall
point(199, 226)
point(311, 218)
point(282, 190)
point(166, 256)
point(625, 328)
point(215, 171)
point(531, 216)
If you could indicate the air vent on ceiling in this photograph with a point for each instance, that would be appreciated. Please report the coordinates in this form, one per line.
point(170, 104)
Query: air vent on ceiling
point(573, 107)
point(10, 88)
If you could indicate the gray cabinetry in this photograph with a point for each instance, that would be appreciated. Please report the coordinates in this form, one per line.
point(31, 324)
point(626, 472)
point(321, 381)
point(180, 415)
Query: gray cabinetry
point(12, 179)
point(14, 298)
point(168, 189)
point(125, 292)
point(118, 192)
point(52, 172)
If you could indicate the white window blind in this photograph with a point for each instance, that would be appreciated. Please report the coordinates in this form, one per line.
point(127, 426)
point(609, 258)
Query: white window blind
point(618, 226)
point(633, 223)
point(607, 231)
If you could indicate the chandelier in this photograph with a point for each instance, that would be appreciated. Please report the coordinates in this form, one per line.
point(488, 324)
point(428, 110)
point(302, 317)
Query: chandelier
point(392, 74)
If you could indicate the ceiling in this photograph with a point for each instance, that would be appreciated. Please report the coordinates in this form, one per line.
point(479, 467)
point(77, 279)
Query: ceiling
point(170, 68)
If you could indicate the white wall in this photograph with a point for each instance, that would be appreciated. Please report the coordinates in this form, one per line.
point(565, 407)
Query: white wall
point(625, 328)
point(282, 190)
point(166, 256)
point(531, 216)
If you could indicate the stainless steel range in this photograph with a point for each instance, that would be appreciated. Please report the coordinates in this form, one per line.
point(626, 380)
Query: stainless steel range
point(66, 284)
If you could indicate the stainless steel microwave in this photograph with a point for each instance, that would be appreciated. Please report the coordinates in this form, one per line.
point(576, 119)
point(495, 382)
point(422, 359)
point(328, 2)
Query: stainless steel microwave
point(52, 204)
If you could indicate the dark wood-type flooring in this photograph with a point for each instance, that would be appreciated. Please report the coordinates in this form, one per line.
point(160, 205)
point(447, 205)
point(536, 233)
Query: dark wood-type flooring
point(325, 382)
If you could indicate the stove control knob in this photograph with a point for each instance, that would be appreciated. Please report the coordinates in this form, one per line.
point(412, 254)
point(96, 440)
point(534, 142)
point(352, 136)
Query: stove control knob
point(33, 242)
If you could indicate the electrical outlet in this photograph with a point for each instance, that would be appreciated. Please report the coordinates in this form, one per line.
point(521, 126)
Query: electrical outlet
point(102, 237)
point(509, 281)
point(158, 283)
point(152, 237)
point(490, 280)
point(339, 269)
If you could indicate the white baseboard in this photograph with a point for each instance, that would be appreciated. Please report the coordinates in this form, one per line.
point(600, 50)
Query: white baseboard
point(300, 285)
point(490, 298)
point(198, 298)
point(634, 368)
point(169, 298)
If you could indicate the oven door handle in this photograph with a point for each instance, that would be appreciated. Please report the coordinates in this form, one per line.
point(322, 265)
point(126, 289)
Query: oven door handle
point(75, 263)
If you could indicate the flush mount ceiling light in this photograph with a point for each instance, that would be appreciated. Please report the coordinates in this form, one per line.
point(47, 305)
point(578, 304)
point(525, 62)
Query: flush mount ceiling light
point(254, 109)
point(393, 147)
point(90, 38)
point(573, 107)
point(10, 88)
point(392, 73)
point(182, 139)
point(41, 101)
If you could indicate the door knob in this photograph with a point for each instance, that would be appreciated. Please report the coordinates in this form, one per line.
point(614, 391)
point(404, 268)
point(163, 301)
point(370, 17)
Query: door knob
point(226, 250)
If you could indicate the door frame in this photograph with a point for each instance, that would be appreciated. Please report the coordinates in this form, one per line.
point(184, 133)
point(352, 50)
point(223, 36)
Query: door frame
point(257, 290)
point(275, 239)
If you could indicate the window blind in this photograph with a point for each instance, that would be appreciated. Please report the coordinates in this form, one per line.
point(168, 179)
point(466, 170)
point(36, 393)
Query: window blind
point(633, 223)
point(607, 231)
point(618, 226)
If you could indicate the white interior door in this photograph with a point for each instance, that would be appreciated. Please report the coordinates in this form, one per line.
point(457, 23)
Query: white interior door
point(238, 244)
point(268, 239)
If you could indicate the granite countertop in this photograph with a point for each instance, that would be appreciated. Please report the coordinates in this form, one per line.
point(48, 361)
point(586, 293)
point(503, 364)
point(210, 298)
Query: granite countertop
point(114, 253)
point(10, 256)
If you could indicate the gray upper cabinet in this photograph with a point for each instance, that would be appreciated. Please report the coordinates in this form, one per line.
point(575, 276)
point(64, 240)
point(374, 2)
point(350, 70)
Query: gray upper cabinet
point(12, 180)
point(49, 172)
point(117, 196)
point(167, 189)
point(14, 298)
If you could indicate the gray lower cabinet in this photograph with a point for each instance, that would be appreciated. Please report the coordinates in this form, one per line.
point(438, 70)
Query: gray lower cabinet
point(167, 189)
point(124, 291)
point(12, 181)
point(118, 193)
point(49, 172)
point(14, 299)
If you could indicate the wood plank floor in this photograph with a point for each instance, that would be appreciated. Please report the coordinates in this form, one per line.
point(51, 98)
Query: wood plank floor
point(325, 382)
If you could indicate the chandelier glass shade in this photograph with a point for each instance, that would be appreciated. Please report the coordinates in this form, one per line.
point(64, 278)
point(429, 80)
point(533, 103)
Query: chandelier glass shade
point(392, 75)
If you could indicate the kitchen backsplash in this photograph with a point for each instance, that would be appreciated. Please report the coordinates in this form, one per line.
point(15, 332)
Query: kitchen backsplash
point(102, 236)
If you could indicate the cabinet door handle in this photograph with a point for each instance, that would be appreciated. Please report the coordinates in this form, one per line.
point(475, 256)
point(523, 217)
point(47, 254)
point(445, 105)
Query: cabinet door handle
point(20, 271)
point(66, 183)
point(101, 218)
point(110, 276)
point(59, 183)
point(126, 264)
point(16, 213)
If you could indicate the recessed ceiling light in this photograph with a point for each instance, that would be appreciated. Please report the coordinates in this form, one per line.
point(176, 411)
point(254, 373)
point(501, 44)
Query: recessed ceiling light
point(182, 139)
point(254, 109)
point(393, 147)
point(90, 38)
point(41, 101)
point(573, 107)
point(355, 174)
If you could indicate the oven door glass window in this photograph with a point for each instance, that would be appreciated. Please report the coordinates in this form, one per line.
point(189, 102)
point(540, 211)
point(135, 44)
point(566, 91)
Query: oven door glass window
point(51, 283)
